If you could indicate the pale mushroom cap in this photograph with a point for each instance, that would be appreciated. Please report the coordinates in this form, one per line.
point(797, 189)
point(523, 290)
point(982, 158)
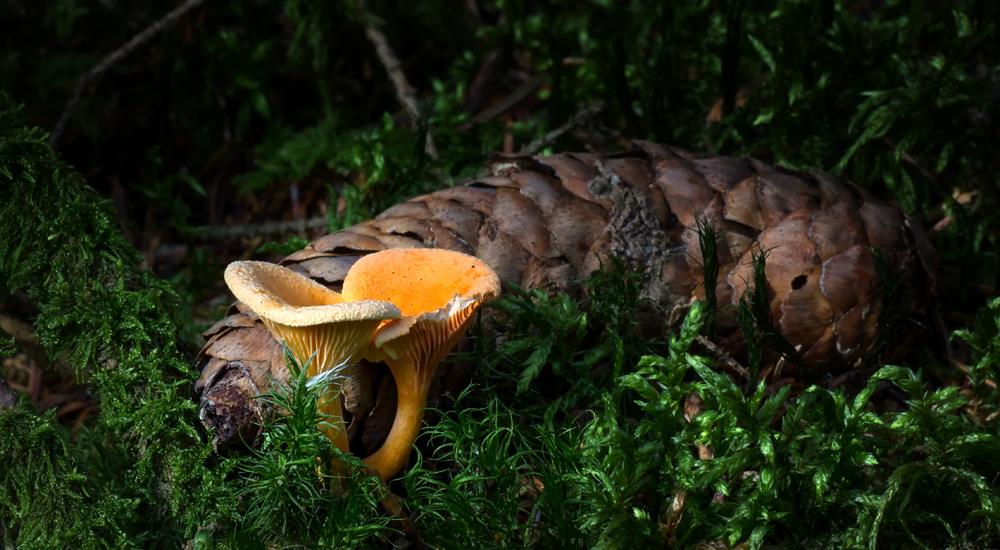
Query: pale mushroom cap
point(281, 295)
point(421, 280)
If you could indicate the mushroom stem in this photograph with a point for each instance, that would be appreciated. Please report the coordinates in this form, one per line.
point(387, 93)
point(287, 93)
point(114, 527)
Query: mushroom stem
point(335, 430)
point(413, 361)
point(329, 346)
point(411, 402)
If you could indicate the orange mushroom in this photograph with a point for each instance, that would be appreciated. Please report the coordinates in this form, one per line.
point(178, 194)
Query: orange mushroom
point(437, 292)
point(311, 319)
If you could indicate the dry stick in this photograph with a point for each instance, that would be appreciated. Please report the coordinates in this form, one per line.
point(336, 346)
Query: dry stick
point(580, 118)
point(214, 232)
point(18, 329)
point(721, 355)
point(250, 231)
point(965, 370)
point(920, 168)
point(25, 333)
point(515, 97)
point(8, 399)
point(107, 62)
point(404, 91)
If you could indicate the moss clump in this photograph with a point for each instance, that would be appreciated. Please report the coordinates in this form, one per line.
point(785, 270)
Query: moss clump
point(143, 472)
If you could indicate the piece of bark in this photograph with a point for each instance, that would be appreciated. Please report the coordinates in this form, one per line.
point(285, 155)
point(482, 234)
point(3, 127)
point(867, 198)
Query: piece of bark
point(549, 221)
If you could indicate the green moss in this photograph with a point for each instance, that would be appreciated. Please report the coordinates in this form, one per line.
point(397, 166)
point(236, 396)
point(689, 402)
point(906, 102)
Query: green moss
point(143, 473)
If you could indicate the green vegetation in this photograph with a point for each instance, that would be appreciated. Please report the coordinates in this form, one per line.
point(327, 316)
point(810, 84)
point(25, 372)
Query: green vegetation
point(576, 433)
point(133, 478)
point(293, 493)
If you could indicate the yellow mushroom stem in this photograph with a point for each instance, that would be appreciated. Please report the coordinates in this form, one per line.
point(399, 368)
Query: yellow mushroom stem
point(413, 359)
point(334, 344)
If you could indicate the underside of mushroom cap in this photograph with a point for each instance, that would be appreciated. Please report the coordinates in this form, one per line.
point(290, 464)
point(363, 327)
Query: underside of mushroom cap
point(284, 296)
point(452, 316)
point(437, 292)
point(423, 341)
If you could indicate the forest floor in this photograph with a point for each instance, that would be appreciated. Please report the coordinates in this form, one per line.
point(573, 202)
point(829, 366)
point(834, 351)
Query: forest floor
point(231, 130)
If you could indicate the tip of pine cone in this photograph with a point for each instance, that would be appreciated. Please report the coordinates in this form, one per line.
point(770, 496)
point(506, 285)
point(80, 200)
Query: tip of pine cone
point(229, 410)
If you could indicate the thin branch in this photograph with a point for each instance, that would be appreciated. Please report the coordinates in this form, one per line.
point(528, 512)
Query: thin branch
point(721, 355)
point(213, 232)
point(404, 91)
point(8, 399)
point(580, 118)
point(137, 40)
point(500, 107)
point(965, 370)
point(920, 168)
point(25, 333)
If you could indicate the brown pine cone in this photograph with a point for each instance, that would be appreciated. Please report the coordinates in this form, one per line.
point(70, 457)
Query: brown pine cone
point(547, 221)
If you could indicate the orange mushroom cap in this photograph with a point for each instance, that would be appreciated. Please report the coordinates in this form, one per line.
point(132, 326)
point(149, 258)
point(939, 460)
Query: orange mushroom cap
point(420, 280)
point(310, 318)
point(437, 292)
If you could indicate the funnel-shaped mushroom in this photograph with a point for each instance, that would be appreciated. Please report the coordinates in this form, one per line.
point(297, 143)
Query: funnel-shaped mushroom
point(310, 318)
point(437, 292)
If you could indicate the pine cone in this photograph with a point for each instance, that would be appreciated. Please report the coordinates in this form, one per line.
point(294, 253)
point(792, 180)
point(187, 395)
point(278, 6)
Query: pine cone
point(548, 221)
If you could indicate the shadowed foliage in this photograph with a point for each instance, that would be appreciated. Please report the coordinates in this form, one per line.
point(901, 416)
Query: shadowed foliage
point(563, 422)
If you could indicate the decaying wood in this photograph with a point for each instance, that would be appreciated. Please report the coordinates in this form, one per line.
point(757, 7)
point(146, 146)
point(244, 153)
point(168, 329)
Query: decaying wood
point(549, 221)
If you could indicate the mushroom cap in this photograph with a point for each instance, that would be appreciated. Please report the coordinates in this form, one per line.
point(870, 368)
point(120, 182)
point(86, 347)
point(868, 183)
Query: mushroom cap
point(281, 295)
point(421, 280)
point(432, 288)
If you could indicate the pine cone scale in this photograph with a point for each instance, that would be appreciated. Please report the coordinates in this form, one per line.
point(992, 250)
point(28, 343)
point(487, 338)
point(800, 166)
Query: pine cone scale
point(848, 278)
point(519, 218)
point(684, 189)
point(463, 221)
point(574, 174)
point(742, 205)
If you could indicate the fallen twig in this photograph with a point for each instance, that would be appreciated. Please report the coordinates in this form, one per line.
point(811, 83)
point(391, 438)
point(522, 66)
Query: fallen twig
point(21, 331)
point(581, 117)
point(920, 167)
point(965, 370)
point(506, 103)
point(137, 40)
point(8, 399)
point(25, 333)
point(262, 229)
point(727, 360)
point(404, 91)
